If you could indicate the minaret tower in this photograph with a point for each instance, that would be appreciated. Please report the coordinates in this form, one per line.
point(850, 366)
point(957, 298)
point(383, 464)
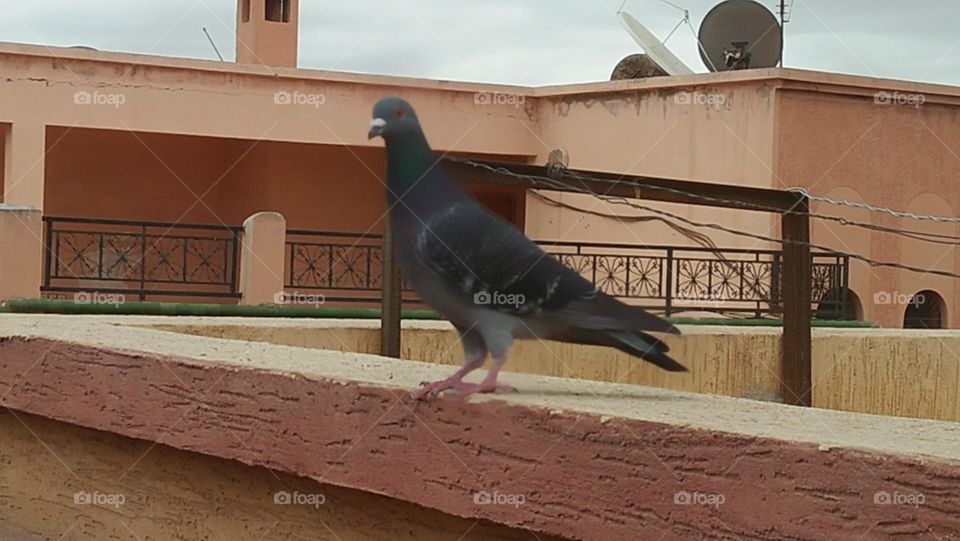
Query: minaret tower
point(267, 32)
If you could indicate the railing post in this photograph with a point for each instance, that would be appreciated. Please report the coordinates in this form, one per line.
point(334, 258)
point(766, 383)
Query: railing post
point(47, 251)
point(143, 262)
point(845, 287)
point(796, 376)
point(235, 260)
point(669, 287)
point(390, 313)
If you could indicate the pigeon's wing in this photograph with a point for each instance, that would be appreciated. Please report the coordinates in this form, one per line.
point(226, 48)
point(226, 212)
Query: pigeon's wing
point(487, 261)
point(483, 259)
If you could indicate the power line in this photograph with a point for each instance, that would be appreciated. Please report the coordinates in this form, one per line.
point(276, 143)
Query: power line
point(923, 236)
point(884, 210)
point(935, 238)
point(556, 185)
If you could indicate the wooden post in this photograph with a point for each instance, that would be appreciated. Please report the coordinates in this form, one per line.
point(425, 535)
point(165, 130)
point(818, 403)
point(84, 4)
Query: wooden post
point(392, 291)
point(795, 372)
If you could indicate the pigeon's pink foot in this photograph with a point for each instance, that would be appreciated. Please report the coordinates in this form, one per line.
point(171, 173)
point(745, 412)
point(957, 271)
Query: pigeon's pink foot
point(431, 389)
point(466, 389)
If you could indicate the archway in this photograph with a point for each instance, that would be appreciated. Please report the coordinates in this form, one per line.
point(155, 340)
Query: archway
point(832, 306)
point(925, 310)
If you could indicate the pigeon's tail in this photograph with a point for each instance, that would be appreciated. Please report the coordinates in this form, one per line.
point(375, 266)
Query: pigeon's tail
point(636, 343)
point(646, 347)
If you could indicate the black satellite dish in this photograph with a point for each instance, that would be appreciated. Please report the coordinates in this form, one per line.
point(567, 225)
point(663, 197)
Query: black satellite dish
point(740, 34)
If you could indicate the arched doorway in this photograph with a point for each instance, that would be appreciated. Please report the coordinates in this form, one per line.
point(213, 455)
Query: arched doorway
point(834, 306)
point(925, 310)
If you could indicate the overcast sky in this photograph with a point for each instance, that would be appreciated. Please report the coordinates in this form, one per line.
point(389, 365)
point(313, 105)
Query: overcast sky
point(531, 42)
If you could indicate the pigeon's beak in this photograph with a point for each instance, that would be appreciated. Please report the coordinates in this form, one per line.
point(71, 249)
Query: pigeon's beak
point(376, 127)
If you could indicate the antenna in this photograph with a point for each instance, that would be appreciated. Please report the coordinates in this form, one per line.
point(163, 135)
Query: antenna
point(654, 48)
point(212, 44)
point(785, 11)
point(740, 34)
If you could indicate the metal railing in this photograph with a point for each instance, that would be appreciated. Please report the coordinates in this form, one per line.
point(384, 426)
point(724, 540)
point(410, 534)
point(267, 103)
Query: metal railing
point(87, 257)
point(674, 279)
point(346, 267)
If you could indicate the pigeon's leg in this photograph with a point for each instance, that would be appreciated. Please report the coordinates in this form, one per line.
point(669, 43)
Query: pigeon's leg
point(489, 383)
point(475, 351)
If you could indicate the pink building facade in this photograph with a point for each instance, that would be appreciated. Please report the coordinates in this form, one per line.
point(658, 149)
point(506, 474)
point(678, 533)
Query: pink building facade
point(133, 138)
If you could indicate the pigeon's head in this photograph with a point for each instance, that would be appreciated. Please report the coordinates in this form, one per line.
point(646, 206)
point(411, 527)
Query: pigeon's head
point(392, 116)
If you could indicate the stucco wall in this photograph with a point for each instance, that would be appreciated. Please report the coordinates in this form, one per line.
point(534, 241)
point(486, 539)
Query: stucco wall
point(714, 133)
point(897, 156)
point(79, 484)
point(590, 460)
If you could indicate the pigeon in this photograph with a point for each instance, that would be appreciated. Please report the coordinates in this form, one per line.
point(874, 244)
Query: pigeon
point(484, 275)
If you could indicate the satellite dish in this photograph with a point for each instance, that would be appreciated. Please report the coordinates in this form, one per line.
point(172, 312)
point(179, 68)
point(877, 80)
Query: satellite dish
point(740, 34)
point(655, 49)
point(636, 66)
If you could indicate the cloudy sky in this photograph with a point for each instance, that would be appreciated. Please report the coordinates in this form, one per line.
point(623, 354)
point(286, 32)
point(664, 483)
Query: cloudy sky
point(532, 42)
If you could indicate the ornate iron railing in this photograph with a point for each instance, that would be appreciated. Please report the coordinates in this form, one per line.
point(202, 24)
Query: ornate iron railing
point(666, 279)
point(345, 267)
point(674, 279)
point(90, 257)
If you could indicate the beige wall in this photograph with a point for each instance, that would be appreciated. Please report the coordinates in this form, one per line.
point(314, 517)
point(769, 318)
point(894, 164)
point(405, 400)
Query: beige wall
point(715, 133)
point(173, 494)
point(901, 157)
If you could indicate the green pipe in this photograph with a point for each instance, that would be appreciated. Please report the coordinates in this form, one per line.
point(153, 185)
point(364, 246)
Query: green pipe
point(58, 306)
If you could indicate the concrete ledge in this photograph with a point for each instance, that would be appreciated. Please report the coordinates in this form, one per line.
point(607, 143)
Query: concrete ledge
point(907, 373)
point(588, 460)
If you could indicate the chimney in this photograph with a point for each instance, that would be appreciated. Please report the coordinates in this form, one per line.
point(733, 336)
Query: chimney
point(267, 32)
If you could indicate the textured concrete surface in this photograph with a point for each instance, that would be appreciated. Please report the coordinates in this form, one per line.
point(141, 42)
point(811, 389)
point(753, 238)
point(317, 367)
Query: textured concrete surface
point(70, 483)
point(906, 373)
point(8, 533)
point(588, 459)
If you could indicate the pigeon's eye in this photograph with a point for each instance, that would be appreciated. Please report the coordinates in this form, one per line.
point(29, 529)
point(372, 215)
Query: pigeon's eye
point(399, 113)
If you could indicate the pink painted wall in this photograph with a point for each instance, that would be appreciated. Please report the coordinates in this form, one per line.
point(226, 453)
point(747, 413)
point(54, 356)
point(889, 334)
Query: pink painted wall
point(898, 156)
point(718, 133)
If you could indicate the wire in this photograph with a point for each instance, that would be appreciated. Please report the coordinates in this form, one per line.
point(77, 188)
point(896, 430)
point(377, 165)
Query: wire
point(556, 185)
point(853, 204)
point(666, 39)
point(703, 50)
point(923, 236)
point(699, 238)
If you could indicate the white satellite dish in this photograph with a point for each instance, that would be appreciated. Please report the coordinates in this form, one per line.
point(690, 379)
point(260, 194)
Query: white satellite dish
point(654, 48)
